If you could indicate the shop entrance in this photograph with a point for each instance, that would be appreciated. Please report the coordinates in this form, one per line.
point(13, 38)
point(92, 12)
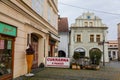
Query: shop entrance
point(6, 57)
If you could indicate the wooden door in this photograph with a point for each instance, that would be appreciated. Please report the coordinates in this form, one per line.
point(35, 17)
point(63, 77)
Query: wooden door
point(35, 60)
point(34, 43)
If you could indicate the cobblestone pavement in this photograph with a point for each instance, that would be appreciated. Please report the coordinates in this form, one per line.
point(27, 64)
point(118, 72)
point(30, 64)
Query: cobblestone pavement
point(111, 71)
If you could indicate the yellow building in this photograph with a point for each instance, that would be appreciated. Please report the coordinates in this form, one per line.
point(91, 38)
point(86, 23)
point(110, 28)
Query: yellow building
point(23, 22)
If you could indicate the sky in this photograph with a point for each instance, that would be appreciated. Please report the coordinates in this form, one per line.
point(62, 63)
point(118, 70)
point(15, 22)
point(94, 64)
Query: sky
point(107, 10)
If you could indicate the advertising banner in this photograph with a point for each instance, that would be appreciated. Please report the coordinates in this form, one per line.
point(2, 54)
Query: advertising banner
point(57, 62)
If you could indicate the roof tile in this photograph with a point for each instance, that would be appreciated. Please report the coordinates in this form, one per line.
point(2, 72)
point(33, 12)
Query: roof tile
point(63, 25)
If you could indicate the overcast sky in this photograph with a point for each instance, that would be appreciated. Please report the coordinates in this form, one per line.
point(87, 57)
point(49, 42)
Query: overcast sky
point(98, 7)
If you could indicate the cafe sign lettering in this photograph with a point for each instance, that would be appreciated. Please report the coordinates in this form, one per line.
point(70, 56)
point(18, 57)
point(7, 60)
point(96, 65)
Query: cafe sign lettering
point(8, 29)
point(57, 62)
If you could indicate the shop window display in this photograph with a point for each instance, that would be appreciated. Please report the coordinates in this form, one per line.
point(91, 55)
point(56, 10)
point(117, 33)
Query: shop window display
point(5, 56)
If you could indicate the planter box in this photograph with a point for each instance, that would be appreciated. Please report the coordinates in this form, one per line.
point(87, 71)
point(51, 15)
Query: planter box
point(74, 66)
point(78, 67)
point(93, 67)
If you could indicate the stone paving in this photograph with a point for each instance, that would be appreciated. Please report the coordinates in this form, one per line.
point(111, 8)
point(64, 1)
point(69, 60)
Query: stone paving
point(111, 71)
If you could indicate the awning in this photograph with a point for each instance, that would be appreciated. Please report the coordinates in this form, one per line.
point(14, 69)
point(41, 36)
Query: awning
point(54, 36)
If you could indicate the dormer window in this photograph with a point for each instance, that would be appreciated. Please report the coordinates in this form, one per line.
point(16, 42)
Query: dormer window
point(88, 17)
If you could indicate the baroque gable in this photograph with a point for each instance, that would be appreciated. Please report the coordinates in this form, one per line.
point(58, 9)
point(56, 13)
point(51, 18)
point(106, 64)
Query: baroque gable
point(88, 20)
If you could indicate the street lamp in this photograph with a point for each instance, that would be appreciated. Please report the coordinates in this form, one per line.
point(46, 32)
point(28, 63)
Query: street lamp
point(103, 53)
point(102, 43)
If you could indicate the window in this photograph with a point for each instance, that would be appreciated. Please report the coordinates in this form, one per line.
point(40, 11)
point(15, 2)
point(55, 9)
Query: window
point(55, 21)
point(115, 45)
point(78, 38)
point(88, 17)
point(5, 56)
point(111, 45)
point(86, 24)
point(91, 24)
point(91, 38)
point(49, 13)
point(97, 38)
point(38, 6)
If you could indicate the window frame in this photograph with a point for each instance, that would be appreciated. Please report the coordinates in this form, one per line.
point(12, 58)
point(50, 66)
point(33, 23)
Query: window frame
point(78, 38)
point(98, 38)
point(91, 37)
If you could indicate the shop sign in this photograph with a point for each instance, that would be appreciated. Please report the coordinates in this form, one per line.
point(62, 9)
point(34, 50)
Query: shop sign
point(8, 29)
point(57, 62)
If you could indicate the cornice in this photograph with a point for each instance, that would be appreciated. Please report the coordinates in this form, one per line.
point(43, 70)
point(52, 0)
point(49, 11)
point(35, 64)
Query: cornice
point(52, 3)
point(11, 18)
point(91, 27)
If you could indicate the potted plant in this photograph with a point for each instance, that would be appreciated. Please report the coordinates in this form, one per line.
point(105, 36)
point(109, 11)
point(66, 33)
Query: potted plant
point(29, 57)
point(76, 57)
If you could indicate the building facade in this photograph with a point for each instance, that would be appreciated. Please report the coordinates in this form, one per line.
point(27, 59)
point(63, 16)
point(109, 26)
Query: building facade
point(24, 22)
point(87, 33)
point(113, 49)
point(63, 32)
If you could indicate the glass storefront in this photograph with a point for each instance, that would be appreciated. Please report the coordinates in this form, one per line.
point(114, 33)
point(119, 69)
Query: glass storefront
point(5, 56)
point(7, 38)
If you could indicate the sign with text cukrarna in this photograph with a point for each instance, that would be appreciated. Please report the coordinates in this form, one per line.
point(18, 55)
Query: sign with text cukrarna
point(57, 62)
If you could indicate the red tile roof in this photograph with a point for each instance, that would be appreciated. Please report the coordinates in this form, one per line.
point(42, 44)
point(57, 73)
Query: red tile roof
point(63, 24)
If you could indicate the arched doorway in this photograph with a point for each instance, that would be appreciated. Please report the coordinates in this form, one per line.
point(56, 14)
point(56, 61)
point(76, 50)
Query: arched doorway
point(81, 51)
point(61, 53)
point(95, 55)
point(94, 49)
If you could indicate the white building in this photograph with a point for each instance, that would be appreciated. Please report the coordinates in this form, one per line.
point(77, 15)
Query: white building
point(87, 31)
point(63, 32)
point(113, 49)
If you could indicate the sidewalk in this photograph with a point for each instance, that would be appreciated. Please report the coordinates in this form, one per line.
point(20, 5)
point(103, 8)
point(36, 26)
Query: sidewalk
point(111, 71)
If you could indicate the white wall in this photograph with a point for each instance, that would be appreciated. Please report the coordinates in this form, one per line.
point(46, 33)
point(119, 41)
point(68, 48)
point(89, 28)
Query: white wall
point(63, 44)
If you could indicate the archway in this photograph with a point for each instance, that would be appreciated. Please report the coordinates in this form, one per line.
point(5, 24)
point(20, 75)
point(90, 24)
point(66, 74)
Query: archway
point(61, 53)
point(93, 49)
point(95, 55)
point(81, 51)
